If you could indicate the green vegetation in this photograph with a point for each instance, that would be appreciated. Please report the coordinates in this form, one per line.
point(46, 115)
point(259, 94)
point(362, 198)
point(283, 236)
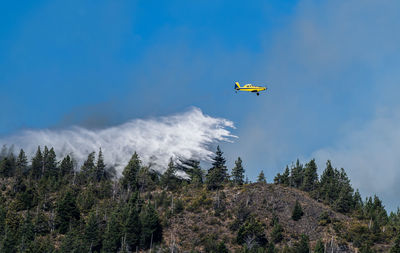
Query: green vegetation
point(297, 211)
point(217, 174)
point(261, 178)
point(238, 172)
point(277, 233)
point(334, 189)
point(251, 233)
point(50, 205)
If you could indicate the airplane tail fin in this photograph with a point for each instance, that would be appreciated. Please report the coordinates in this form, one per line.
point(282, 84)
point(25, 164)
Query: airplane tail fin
point(237, 86)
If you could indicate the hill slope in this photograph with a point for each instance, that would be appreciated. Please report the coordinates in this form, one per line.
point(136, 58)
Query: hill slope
point(48, 206)
point(266, 202)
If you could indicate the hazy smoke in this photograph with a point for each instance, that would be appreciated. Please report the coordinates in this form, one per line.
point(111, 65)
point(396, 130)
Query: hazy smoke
point(186, 135)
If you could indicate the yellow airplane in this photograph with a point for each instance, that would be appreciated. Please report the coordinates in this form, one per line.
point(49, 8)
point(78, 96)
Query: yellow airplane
point(249, 87)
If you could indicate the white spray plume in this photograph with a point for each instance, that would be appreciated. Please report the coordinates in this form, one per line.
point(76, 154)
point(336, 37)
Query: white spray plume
point(187, 135)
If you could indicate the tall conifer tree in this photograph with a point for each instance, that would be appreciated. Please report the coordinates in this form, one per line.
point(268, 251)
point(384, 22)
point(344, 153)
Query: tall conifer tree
point(129, 175)
point(310, 176)
point(49, 162)
point(21, 164)
point(328, 184)
point(285, 180)
point(151, 232)
point(67, 166)
point(218, 173)
point(92, 233)
point(8, 165)
point(238, 172)
point(261, 178)
point(169, 179)
point(132, 231)
point(193, 169)
point(112, 234)
point(297, 175)
point(100, 167)
point(297, 211)
point(66, 212)
point(37, 164)
point(88, 169)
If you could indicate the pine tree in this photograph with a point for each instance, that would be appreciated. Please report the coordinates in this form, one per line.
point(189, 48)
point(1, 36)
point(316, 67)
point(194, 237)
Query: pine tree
point(252, 229)
point(310, 176)
point(67, 166)
point(285, 180)
point(238, 172)
point(358, 203)
point(218, 173)
point(21, 164)
point(146, 179)
point(379, 211)
point(261, 178)
point(88, 169)
point(91, 233)
point(49, 163)
point(373, 209)
point(112, 235)
point(133, 228)
point(345, 202)
point(278, 179)
point(45, 162)
point(41, 224)
point(151, 231)
point(13, 223)
point(276, 233)
point(297, 211)
point(169, 180)
point(297, 175)
point(67, 212)
point(329, 184)
point(192, 168)
point(219, 160)
point(27, 232)
point(100, 167)
point(130, 173)
point(8, 165)
point(9, 242)
point(376, 230)
point(37, 164)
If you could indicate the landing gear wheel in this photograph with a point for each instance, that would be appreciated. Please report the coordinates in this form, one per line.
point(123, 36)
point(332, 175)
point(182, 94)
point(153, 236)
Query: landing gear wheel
point(258, 94)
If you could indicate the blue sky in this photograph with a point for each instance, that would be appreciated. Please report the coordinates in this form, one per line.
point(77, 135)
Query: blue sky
point(331, 69)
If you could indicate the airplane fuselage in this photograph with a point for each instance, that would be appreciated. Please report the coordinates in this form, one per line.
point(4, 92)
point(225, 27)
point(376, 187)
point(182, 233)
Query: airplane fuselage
point(250, 88)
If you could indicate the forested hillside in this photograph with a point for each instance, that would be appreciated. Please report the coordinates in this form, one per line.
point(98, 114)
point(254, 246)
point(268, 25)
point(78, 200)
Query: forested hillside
point(48, 204)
